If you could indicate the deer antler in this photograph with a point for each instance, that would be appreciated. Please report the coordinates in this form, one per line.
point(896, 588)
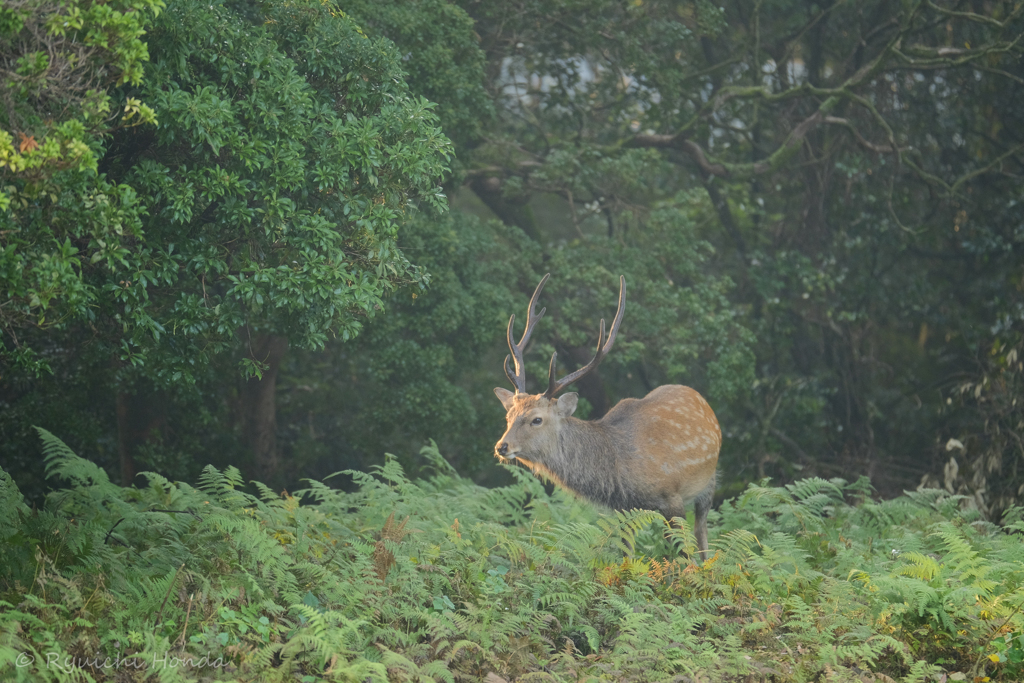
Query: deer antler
point(556, 386)
point(518, 377)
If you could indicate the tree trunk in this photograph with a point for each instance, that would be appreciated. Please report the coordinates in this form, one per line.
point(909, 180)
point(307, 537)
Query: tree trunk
point(259, 408)
point(124, 445)
point(509, 212)
point(141, 419)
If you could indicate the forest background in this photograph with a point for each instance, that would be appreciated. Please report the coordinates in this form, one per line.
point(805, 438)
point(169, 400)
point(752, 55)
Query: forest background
point(288, 236)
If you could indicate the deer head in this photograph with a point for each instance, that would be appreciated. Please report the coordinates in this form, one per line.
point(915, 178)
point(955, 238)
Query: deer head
point(535, 420)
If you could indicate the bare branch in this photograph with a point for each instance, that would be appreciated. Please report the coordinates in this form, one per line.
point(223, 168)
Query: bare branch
point(488, 171)
point(951, 58)
point(985, 169)
point(978, 18)
point(880, 149)
point(728, 170)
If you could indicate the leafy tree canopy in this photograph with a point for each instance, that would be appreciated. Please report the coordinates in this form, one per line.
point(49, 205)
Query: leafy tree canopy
point(58, 218)
point(267, 198)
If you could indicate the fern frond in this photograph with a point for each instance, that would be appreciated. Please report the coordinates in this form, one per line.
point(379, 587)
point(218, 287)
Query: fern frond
point(12, 506)
point(62, 462)
point(920, 566)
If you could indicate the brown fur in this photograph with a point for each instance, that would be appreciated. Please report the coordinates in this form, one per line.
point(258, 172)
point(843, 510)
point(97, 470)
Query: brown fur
point(659, 452)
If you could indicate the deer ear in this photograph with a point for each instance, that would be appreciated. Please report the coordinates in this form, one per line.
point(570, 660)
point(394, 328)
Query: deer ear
point(505, 396)
point(566, 404)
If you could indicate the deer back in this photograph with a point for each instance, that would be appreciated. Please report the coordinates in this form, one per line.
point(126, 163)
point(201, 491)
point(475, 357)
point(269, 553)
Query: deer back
point(671, 441)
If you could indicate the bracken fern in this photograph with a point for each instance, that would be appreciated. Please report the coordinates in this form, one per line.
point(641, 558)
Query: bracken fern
point(439, 579)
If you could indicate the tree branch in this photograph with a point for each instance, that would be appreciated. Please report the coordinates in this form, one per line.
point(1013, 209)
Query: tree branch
point(880, 149)
point(729, 170)
point(971, 16)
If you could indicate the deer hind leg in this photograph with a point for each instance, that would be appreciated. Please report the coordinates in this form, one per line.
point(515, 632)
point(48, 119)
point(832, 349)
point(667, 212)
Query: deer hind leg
point(701, 507)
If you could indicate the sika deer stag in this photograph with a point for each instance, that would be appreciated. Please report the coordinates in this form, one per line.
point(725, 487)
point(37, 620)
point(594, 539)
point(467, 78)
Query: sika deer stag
point(658, 453)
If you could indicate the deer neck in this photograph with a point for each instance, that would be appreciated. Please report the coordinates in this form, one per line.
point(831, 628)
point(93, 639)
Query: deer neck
point(585, 461)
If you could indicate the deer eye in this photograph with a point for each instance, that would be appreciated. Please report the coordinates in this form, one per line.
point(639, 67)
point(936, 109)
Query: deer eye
point(536, 421)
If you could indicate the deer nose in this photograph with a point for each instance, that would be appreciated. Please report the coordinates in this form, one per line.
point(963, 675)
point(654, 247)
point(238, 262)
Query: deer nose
point(502, 448)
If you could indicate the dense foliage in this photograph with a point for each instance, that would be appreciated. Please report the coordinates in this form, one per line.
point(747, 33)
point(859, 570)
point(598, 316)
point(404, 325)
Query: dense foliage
point(287, 152)
point(816, 208)
point(58, 217)
point(440, 579)
point(859, 164)
point(267, 197)
point(259, 209)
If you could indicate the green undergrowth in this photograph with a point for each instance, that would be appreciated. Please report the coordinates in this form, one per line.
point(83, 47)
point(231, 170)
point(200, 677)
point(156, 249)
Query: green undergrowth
point(440, 579)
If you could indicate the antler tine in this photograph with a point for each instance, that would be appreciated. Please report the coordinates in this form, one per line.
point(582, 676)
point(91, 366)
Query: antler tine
point(509, 372)
point(556, 386)
point(551, 375)
point(518, 376)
